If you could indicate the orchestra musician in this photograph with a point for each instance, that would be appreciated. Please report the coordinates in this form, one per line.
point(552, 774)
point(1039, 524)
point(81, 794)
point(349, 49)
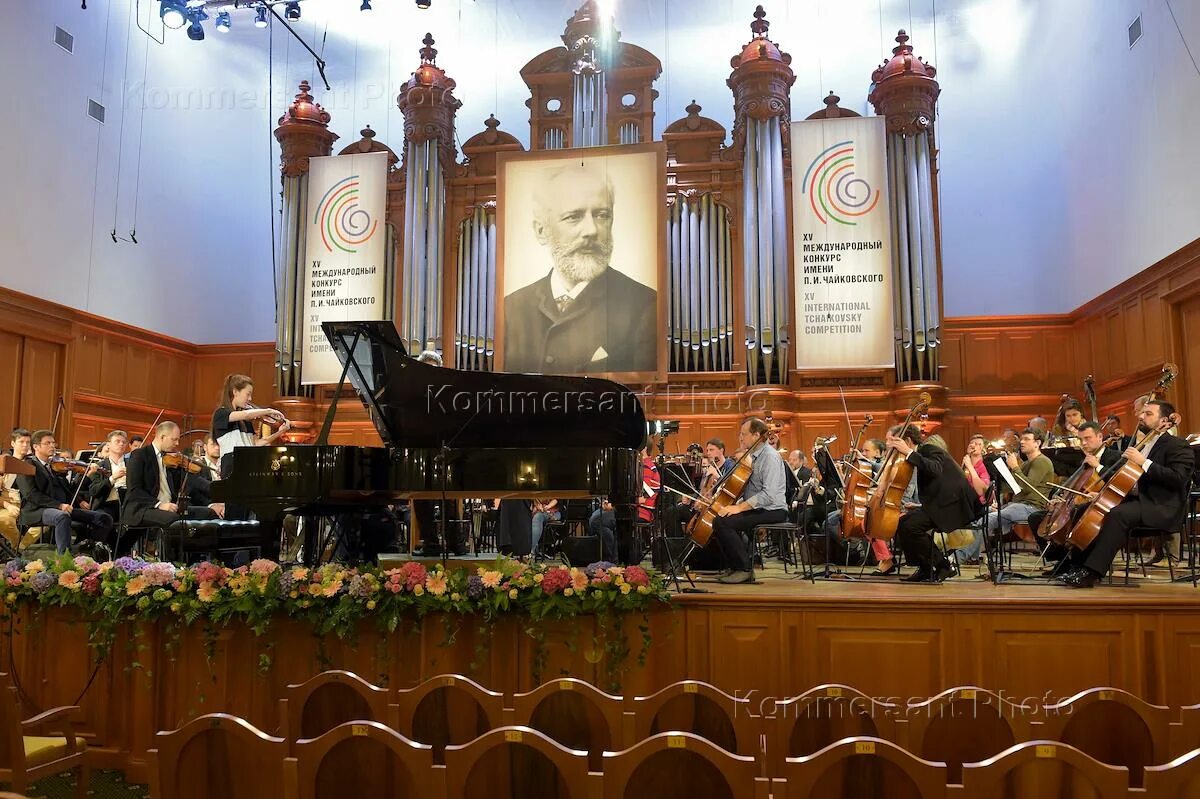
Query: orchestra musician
point(763, 501)
point(1066, 427)
point(1159, 500)
point(153, 490)
point(544, 511)
point(798, 463)
point(47, 498)
point(136, 441)
point(1096, 456)
point(713, 467)
point(10, 503)
point(1034, 476)
point(106, 490)
point(975, 470)
point(947, 502)
point(212, 458)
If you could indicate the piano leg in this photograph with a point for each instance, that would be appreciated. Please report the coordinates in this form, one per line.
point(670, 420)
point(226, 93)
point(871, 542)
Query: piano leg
point(625, 510)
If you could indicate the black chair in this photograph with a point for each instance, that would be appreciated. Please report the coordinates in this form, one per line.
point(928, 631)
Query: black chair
point(792, 536)
point(1139, 533)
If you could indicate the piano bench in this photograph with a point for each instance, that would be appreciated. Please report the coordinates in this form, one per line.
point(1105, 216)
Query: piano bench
point(193, 540)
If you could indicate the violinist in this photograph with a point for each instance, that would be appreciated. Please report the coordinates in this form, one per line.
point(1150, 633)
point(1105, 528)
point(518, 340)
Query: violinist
point(10, 502)
point(47, 498)
point(763, 501)
point(106, 490)
point(152, 497)
point(947, 502)
point(212, 458)
point(232, 422)
point(1067, 423)
point(1158, 501)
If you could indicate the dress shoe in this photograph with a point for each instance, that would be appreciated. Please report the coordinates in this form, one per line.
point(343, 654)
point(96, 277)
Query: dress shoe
point(919, 576)
point(890, 570)
point(735, 578)
point(1080, 578)
point(1157, 560)
point(943, 572)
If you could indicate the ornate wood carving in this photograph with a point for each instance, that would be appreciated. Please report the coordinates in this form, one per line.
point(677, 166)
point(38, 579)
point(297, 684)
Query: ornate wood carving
point(428, 104)
point(303, 133)
point(761, 78)
point(368, 144)
point(832, 110)
point(905, 90)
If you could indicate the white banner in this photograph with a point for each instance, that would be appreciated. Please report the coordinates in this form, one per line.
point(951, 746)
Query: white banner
point(841, 224)
point(344, 251)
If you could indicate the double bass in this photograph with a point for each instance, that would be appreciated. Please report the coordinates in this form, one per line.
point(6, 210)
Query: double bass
point(886, 504)
point(857, 491)
point(1124, 479)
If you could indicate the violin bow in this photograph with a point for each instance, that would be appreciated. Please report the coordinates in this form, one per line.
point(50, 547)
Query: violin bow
point(154, 424)
point(57, 413)
point(846, 410)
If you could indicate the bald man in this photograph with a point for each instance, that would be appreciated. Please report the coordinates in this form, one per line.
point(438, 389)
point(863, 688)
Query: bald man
point(584, 316)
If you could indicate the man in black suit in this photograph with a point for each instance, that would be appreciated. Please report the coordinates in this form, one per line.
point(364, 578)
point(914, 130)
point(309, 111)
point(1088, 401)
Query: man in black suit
point(1159, 499)
point(947, 503)
point(46, 498)
point(584, 316)
point(152, 490)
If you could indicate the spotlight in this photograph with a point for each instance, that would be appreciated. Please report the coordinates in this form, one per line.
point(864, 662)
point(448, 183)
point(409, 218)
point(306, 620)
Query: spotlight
point(172, 14)
point(260, 17)
point(366, 5)
point(223, 22)
point(292, 11)
point(196, 31)
point(423, 3)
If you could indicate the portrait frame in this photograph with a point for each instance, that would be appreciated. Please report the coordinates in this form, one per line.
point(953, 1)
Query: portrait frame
point(515, 171)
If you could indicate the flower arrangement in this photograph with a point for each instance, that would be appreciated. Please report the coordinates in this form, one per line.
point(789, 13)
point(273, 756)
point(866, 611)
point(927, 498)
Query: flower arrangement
point(334, 598)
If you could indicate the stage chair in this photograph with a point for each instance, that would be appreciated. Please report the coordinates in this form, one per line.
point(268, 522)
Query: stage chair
point(1180, 777)
point(515, 763)
point(574, 713)
point(726, 721)
point(316, 706)
point(1113, 726)
point(216, 755)
point(448, 709)
point(1044, 770)
point(793, 541)
point(864, 768)
point(1135, 537)
point(966, 725)
point(682, 765)
point(813, 720)
point(39, 746)
point(361, 759)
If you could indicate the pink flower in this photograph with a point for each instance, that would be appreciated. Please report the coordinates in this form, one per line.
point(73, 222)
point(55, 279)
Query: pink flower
point(636, 575)
point(207, 572)
point(414, 575)
point(263, 567)
point(159, 573)
point(91, 584)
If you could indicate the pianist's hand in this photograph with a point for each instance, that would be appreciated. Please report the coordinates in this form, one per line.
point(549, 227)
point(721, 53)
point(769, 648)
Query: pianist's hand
point(219, 509)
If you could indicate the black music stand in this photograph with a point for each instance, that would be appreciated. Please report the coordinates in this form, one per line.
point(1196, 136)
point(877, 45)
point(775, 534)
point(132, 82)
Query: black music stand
point(999, 569)
point(657, 531)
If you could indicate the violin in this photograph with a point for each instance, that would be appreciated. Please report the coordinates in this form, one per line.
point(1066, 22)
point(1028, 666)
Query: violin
point(886, 504)
point(1124, 478)
point(275, 418)
point(60, 465)
point(177, 460)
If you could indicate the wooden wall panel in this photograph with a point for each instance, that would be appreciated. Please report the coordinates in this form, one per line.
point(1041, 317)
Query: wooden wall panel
point(42, 376)
point(113, 366)
point(88, 354)
point(11, 347)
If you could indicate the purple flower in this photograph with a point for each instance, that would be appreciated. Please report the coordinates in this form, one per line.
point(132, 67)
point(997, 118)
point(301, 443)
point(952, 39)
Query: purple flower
point(287, 582)
point(129, 565)
point(593, 568)
point(359, 587)
point(14, 566)
point(474, 587)
point(43, 582)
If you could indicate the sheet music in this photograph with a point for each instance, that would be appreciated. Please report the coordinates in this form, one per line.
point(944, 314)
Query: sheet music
point(1002, 467)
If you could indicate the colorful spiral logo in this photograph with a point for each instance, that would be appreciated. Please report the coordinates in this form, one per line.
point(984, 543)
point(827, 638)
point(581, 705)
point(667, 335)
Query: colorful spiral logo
point(830, 183)
point(343, 224)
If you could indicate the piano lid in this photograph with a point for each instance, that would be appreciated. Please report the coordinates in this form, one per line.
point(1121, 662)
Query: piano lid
point(414, 404)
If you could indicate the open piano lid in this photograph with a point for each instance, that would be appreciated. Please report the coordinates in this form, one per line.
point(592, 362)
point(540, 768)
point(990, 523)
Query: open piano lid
point(414, 404)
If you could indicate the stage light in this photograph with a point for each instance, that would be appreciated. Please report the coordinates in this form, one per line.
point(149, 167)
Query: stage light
point(172, 14)
point(196, 31)
point(366, 5)
point(260, 17)
point(291, 12)
point(223, 22)
point(423, 3)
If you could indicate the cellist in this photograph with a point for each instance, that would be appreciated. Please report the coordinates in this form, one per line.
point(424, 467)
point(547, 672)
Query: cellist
point(947, 503)
point(763, 501)
point(1159, 499)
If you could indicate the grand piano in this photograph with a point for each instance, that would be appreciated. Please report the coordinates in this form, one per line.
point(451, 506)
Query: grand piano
point(452, 434)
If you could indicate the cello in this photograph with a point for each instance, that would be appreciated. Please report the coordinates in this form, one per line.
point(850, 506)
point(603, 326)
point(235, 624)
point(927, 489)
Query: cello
point(1124, 479)
point(886, 504)
point(1085, 480)
point(857, 490)
point(724, 493)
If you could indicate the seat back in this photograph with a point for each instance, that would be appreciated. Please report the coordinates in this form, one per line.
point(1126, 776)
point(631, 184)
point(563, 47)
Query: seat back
point(728, 722)
point(362, 758)
point(576, 714)
point(1044, 770)
point(445, 710)
point(1180, 777)
point(1114, 727)
point(216, 755)
point(966, 725)
point(314, 707)
point(813, 720)
point(515, 763)
point(864, 768)
point(12, 750)
point(680, 765)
